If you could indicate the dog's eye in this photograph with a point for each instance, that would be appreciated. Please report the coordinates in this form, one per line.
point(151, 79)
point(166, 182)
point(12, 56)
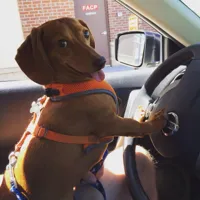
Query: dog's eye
point(62, 43)
point(86, 34)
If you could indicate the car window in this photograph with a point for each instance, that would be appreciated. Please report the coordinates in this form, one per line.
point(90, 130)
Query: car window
point(105, 18)
point(194, 5)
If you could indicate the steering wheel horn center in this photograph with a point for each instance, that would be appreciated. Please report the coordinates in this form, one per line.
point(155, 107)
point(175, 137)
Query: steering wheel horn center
point(172, 125)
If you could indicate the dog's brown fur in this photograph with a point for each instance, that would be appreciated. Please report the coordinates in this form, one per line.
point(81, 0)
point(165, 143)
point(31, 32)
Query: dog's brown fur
point(47, 169)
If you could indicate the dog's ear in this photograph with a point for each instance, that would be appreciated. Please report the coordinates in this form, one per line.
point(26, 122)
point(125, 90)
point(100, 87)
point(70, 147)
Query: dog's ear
point(32, 59)
point(92, 42)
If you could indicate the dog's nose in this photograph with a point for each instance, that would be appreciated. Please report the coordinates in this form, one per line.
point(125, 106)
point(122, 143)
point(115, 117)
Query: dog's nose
point(100, 62)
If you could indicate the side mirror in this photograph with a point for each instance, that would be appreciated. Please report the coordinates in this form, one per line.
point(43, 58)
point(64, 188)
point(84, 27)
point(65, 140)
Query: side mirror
point(137, 48)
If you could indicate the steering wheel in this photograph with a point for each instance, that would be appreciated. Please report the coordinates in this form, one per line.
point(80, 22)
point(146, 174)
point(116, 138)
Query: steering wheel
point(181, 136)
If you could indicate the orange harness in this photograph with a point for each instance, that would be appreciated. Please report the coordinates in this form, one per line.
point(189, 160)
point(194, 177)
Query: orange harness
point(61, 92)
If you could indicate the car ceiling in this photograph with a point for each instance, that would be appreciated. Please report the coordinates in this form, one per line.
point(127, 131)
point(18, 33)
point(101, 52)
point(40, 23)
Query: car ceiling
point(171, 16)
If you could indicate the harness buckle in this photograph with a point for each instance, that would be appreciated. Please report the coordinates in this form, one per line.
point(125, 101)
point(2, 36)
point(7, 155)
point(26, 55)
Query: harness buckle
point(52, 92)
point(41, 133)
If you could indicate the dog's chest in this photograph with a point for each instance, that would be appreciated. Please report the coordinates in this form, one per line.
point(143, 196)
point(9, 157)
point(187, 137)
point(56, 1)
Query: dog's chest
point(77, 116)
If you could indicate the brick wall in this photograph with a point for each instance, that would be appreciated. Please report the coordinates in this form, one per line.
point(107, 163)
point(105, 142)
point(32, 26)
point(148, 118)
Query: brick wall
point(36, 12)
point(142, 25)
point(120, 24)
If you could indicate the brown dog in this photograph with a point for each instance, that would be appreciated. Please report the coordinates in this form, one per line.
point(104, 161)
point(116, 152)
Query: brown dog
point(62, 51)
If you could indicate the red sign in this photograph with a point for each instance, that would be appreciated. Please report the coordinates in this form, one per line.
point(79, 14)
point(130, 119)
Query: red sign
point(89, 7)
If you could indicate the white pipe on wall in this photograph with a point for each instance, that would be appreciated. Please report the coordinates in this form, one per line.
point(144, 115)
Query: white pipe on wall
point(11, 35)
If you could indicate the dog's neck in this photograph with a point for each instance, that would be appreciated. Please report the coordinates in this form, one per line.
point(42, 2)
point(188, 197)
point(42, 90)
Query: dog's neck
point(65, 80)
point(72, 75)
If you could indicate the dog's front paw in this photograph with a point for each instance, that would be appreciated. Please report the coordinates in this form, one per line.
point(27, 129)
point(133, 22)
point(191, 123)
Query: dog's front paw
point(157, 121)
point(139, 114)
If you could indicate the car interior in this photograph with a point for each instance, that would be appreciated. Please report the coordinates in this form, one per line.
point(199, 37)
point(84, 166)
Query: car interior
point(173, 84)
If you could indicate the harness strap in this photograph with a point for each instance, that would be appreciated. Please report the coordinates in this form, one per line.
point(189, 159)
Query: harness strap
point(42, 132)
point(72, 88)
point(87, 92)
point(99, 165)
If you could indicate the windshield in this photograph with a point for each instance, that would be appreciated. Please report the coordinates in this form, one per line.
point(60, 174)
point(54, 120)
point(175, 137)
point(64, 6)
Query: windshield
point(194, 5)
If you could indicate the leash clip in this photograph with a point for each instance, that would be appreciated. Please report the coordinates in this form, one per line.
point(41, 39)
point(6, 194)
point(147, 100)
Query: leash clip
point(12, 158)
point(36, 107)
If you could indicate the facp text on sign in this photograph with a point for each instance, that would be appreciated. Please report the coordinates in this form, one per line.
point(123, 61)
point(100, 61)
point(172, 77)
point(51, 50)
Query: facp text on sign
point(89, 7)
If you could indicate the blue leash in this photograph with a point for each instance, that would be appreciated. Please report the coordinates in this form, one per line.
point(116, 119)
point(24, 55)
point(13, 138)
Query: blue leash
point(98, 166)
point(14, 189)
point(97, 185)
point(17, 192)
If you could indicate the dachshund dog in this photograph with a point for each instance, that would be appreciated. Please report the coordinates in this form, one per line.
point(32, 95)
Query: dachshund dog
point(60, 53)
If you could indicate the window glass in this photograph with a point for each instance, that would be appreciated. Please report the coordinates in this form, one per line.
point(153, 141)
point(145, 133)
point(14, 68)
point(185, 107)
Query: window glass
point(105, 18)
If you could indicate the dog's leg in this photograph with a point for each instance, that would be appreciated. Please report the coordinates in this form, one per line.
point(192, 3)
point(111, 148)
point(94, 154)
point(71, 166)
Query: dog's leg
point(118, 126)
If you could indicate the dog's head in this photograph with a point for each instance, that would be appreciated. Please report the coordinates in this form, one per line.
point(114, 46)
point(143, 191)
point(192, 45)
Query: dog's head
point(60, 51)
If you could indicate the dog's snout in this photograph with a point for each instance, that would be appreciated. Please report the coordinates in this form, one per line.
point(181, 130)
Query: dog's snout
point(100, 62)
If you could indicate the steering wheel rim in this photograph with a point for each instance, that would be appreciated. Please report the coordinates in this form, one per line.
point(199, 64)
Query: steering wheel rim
point(186, 55)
